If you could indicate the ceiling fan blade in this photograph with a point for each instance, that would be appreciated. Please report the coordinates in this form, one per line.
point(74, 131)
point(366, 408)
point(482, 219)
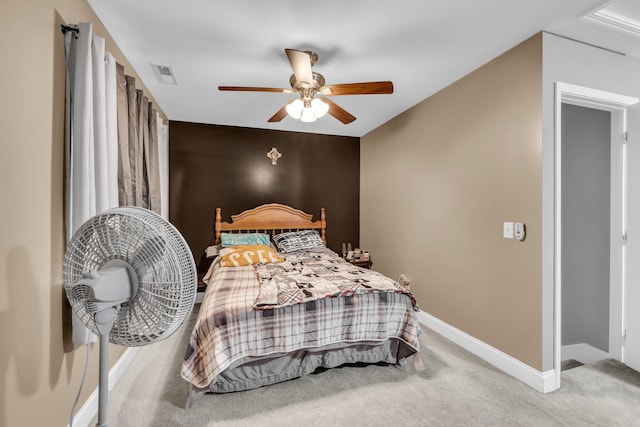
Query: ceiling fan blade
point(364, 88)
point(338, 112)
point(301, 64)
point(253, 89)
point(281, 114)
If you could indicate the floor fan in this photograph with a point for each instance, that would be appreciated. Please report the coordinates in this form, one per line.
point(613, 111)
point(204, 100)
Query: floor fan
point(130, 277)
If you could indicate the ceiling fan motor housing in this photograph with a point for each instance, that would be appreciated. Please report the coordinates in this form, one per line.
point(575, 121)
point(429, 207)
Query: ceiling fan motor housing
point(307, 89)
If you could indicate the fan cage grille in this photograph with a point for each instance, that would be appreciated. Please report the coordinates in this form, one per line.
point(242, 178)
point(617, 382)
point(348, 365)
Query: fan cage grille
point(161, 259)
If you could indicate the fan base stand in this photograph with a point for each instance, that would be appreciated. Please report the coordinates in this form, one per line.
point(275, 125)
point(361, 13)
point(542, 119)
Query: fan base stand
point(103, 386)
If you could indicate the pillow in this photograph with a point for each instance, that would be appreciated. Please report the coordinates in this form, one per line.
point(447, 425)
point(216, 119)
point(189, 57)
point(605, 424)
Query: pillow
point(238, 256)
point(212, 251)
point(298, 240)
point(238, 239)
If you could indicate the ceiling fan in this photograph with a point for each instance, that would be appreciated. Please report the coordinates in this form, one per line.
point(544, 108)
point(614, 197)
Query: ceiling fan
point(307, 84)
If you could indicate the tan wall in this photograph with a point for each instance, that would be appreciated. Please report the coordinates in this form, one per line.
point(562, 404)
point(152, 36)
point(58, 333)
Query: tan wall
point(39, 380)
point(438, 181)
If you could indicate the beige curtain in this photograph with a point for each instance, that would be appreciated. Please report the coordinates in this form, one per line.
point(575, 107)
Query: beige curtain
point(138, 172)
point(125, 185)
point(153, 166)
point(163, 161)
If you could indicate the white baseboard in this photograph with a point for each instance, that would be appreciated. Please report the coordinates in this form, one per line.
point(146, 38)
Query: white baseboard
point(540, 381)
point(90, 408)
point(583, 353)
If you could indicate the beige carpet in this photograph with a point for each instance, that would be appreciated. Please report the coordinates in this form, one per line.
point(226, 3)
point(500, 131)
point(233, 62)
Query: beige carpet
point(456, 389)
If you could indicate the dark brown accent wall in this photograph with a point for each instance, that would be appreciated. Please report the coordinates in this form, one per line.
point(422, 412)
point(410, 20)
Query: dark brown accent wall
point(221, 166)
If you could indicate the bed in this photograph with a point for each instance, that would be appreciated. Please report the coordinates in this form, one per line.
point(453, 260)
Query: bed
point(289, 312)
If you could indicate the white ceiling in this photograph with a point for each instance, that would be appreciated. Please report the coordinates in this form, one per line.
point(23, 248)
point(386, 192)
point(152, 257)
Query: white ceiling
point(420, 45)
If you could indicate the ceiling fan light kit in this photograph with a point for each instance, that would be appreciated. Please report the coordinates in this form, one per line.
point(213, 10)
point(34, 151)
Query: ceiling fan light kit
point(307, 111)
point(307, 84)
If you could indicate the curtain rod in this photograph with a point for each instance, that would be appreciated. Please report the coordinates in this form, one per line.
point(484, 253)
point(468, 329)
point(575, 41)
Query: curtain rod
point(66, 28)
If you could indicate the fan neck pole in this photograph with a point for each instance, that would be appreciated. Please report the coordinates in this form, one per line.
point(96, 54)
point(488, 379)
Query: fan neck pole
point(103, 386)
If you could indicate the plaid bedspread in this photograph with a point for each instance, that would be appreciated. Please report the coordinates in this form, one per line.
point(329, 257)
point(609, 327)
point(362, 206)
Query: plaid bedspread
point(228, 327)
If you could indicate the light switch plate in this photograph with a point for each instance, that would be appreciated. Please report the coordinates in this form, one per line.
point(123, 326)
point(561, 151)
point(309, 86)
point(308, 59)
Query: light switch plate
point(507, 232)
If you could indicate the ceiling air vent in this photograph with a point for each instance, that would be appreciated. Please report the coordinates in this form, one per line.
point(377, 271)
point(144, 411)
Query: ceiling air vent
point(164, 73)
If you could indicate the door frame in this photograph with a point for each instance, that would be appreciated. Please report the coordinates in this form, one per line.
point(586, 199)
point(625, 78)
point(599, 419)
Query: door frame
point(617, 104)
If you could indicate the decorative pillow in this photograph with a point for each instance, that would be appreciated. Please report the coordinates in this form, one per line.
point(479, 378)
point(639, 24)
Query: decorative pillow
point(298, 240)
point(248, 255)
point(238, 239)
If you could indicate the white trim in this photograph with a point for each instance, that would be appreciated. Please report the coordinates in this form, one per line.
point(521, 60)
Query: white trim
point(90, 408)
point(557, 276)
point(615, 21)
point(583, 353)
point(594, 98)
point(540, 381)
point(618, 215)
point(590, 98)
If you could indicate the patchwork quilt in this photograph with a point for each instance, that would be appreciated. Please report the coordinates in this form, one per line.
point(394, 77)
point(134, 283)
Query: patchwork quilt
point(309, 276)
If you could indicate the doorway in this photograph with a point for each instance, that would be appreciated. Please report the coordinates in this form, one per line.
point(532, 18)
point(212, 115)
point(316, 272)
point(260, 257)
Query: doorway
point(577, 189)
point(586, 222)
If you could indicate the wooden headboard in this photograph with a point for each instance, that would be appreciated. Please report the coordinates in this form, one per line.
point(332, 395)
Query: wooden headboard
point(271, 218)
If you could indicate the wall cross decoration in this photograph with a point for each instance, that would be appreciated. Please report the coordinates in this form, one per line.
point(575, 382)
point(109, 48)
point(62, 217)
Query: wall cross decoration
point(274, 155)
